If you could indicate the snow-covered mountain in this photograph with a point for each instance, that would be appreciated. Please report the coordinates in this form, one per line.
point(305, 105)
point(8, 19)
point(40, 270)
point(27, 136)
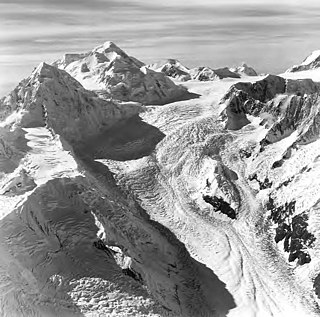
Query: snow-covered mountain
point(207, 206)
point(244, 69)
point(51, 97)
point(173, 68)
point(109, 69)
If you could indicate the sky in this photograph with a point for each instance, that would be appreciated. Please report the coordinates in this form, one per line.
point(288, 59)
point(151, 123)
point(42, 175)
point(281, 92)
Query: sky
point(270, 35)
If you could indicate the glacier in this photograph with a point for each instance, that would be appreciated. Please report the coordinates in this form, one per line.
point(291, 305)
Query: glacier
point(143, 190)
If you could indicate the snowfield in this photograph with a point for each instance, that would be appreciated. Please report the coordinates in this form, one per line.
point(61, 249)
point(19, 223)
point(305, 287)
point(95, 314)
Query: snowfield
point(206, 206)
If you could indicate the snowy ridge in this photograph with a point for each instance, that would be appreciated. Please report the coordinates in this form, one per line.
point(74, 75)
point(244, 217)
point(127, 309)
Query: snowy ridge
point(311, 62)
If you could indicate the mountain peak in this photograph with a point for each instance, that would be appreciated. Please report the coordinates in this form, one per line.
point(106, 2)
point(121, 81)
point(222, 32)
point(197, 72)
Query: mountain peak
point(109, 47)
point(43, 69)
point(109, 69)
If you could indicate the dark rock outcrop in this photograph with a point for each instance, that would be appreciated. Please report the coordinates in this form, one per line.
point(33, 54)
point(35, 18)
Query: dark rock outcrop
point(266, 183)
point(219, 204)
point(291, 229)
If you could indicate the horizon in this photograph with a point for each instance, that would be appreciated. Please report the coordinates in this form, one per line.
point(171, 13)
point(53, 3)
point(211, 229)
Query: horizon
point(267, 36)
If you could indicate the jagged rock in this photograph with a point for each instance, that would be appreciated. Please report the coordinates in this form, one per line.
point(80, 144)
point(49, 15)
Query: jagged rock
point(299, 114)
point(234, 113)
point(249, 98)
point(122, 77)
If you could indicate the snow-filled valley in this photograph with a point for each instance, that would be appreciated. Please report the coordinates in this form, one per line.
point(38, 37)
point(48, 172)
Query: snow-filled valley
point(127, 190)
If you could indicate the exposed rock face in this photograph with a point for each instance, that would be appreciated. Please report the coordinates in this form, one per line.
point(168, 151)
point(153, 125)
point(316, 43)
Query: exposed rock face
point(263, 90)
point(275, 99)
point(293, 230)
point(311, 62)
point(110, 69)
point(219, 204)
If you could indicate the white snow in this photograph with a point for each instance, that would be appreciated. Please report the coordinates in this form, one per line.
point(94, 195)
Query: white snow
point(313, 74)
